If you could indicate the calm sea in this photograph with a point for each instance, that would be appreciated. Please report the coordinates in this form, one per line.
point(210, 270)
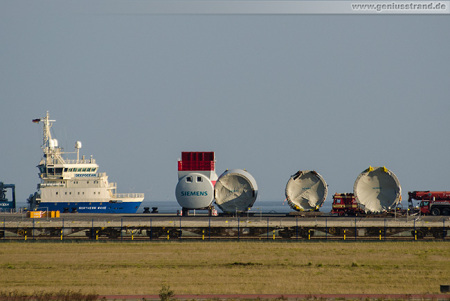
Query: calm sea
point(259, 206)
point(263, 206)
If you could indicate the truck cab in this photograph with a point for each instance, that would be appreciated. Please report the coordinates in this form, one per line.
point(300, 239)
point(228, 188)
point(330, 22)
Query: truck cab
point(425, 207)
point(431, 202)
point(344, 204)
point(435, 207)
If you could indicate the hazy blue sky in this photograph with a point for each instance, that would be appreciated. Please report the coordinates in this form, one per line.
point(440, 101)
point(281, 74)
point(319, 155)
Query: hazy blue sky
point(269, 93)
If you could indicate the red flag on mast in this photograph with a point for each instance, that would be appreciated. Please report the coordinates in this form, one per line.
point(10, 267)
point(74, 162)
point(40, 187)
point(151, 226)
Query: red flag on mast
point(36, 120)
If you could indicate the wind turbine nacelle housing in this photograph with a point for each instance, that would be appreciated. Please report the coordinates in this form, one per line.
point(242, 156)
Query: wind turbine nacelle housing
point(194, 191)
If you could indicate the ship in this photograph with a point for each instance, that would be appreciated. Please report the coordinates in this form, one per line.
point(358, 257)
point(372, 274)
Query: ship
point(75, 185)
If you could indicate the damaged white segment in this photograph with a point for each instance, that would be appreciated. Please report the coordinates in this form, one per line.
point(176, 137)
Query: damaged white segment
point(306, 190)
point(377, 189)
point(235, 191)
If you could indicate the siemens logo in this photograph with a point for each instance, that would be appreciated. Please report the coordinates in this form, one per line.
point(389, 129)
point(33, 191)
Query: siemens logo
point(194, 193)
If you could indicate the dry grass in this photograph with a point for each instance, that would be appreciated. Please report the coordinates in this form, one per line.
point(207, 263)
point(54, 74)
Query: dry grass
point(226, 267)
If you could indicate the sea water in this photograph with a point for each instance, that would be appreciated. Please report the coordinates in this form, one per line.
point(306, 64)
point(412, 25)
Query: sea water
point(258, 207)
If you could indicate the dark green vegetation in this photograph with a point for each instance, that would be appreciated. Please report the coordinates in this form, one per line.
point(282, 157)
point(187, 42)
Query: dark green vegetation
point(63, 295)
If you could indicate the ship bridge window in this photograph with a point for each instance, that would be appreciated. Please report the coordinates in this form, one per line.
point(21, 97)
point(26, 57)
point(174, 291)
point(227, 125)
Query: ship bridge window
point(65, 169)
point(51, 170)
point(59, 171)
point(199, 179)
point(84, 169)
point(189, 179)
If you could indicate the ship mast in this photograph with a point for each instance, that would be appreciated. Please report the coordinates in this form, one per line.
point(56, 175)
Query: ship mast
point(47, 135)
point(49, 145)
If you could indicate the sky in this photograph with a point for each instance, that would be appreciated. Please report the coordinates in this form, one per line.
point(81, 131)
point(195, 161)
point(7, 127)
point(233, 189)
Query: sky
point(272, 94)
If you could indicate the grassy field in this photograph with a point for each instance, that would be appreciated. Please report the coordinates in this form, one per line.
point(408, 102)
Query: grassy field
point(226, 267)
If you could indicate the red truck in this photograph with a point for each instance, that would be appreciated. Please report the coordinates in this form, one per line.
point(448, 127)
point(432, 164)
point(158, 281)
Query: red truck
point(431, 202)
point(344, 204)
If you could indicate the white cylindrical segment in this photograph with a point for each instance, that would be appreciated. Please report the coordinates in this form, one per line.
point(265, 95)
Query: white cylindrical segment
point(377, 189)
point(306, 190)
point(235, 191)
point(194, 191)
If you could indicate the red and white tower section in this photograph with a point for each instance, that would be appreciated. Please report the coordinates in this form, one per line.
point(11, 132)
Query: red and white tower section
point(196, 179)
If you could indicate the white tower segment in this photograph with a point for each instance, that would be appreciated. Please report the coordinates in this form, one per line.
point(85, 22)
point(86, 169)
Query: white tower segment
point(235, 191)
point(306, 190)
point(377, 189)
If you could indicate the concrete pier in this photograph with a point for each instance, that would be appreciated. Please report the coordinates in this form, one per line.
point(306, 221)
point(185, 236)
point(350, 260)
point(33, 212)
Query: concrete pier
point(160, 226)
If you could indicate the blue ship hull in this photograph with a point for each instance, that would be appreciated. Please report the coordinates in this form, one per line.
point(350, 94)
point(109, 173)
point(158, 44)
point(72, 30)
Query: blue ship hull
point(90, 207)
point(6, 206)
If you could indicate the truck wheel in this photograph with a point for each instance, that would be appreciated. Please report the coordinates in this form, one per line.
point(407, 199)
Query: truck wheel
point(435, 211)
point(445, 211)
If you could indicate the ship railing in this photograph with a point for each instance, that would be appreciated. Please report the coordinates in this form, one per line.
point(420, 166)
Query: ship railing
point(128, 195)
point(85, 161)
point(51, 184)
